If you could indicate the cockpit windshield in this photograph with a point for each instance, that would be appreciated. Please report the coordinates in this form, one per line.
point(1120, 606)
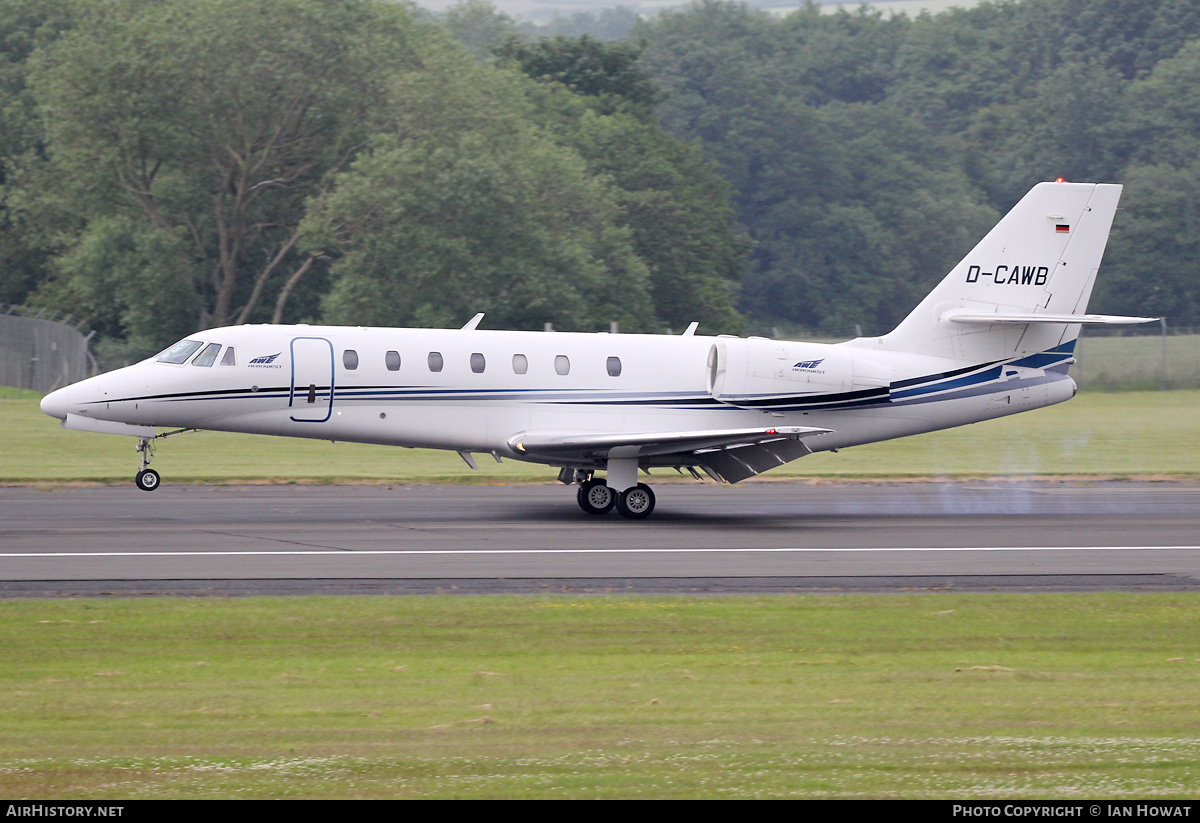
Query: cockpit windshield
point(180, 352)
point(208, 356)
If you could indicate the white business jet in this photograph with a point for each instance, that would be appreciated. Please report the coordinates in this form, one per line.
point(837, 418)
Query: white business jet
point(995, 337)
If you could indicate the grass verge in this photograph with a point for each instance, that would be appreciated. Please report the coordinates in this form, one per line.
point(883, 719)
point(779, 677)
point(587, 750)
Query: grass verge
point(908, 696)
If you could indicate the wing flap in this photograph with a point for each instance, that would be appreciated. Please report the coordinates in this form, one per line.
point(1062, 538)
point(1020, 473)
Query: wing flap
point(737, 463)
point(733, 454)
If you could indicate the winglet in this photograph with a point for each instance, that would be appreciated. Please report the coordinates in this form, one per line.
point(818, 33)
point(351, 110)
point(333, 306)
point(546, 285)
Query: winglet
point(690, 331)
point(473, 323)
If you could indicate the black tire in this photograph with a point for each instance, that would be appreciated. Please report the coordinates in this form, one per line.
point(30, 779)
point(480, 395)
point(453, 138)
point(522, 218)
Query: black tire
point(147, 480)
point(596, 498)
point(636, 503)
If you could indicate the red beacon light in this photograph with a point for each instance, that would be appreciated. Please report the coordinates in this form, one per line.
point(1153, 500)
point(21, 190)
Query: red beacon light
point(1059, 180)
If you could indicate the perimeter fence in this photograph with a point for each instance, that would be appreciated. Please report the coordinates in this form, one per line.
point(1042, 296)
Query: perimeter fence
point(42, 350)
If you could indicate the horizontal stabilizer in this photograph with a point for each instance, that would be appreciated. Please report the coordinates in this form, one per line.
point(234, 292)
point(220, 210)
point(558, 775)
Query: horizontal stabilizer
point(991, 318)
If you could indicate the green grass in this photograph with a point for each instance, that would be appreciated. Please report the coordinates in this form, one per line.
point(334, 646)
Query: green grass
point(1096, 433)
point(995, 696)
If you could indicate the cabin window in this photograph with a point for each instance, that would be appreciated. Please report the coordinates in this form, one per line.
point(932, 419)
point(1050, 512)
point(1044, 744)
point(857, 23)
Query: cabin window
point(562, 364)
point(207, 355)
point(229, 359)
point(478, 363)
point(350, 359)
point(435, 361)
point(180, 352)
point(392, 360)
point(520, 364)
point(614, 367)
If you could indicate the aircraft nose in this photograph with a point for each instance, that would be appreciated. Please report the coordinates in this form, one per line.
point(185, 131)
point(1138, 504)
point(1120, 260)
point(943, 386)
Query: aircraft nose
point(55, 403)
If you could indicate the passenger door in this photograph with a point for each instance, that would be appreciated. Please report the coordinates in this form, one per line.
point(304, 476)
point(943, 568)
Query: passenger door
point(311, 399)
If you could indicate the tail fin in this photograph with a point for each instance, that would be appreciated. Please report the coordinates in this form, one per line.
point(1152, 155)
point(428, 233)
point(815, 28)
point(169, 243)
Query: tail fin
point(1025, 287)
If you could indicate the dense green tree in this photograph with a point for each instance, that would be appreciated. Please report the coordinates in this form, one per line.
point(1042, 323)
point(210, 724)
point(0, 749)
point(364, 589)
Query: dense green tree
point(464, 204)
point(866, 152)
point(678, 212)
point(479, 27)
point(877, 226)
point(595, 98)
point(1155, 249)
point(846, 56)
point(1154, 252)
point(430, 231)
point(608, 73)
point(603, 24)
point(24, 26)
point(833, 185)
point(1161, 112)
point(1071, 124)
point(201, 129)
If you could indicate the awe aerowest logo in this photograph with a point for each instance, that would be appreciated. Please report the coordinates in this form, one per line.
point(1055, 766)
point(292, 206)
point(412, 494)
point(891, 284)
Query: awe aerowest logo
point(267, 361)
point(809, 366)
point(1011, 275)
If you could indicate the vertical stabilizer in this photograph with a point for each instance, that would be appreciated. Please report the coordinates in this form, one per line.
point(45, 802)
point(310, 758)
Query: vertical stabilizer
point(1034, 271)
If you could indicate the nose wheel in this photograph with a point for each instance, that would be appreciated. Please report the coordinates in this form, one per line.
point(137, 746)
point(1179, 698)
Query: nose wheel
point(147, 479)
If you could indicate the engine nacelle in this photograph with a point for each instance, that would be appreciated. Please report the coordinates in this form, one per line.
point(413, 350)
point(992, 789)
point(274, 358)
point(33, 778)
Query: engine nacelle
point(748, 372)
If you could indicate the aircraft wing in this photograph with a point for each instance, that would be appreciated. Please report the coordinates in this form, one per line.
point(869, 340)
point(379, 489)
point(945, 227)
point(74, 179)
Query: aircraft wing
point(727, 454)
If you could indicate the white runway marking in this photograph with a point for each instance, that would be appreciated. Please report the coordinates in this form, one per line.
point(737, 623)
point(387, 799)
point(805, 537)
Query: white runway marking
point(374, 552)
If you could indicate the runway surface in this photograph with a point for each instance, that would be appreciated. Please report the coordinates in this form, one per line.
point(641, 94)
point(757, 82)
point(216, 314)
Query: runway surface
point(755, 537)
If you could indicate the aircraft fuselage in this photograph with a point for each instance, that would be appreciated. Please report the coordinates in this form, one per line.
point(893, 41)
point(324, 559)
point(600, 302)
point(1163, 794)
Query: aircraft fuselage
point(475, 391)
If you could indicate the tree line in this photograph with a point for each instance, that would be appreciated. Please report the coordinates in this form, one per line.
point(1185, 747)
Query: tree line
point(170, 166)
point(867, 152)
point(167, 165)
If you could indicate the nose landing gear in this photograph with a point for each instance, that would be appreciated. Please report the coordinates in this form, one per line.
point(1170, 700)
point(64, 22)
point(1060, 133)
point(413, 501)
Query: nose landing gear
point(147, 479)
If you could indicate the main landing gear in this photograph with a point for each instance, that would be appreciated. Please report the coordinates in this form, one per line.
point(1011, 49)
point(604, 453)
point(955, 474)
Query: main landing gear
point(595, 497)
